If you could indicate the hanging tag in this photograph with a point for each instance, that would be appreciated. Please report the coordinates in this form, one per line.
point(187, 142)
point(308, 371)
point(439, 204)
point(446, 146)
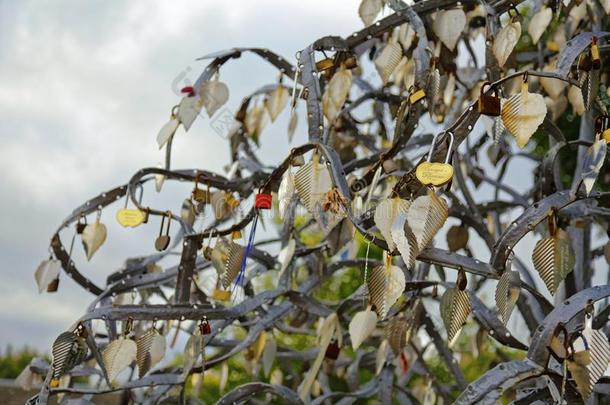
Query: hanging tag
point(596, 62)
point(416, 96)
point(434, 173)
point(162, 241)
point(489, 104)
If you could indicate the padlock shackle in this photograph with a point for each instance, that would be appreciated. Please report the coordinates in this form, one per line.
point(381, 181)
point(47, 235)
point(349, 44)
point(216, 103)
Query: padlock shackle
point(449, 149)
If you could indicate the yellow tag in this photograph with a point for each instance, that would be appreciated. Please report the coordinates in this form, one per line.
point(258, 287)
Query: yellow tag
point(221, 295)
point(324, 64)
point(594, 52)
point(130, 218)
point(435, 174)
point(552, 46)
point(606, 135)
point(418, 95)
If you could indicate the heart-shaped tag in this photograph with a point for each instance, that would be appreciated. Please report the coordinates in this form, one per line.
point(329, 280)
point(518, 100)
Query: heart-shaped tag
point(434, 173)
point(130, 218)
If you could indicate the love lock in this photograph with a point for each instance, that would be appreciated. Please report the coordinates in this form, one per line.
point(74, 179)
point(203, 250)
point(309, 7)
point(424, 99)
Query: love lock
point(602, 128)
point(489, 105)
point(434, 173)
point(132, 217)
point(162, 241)
point(198, 194)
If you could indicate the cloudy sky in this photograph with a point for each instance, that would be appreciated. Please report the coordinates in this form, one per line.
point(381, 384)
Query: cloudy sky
point(84, 89)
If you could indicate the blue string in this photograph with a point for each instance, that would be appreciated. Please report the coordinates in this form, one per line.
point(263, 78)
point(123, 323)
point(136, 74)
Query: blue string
point(240, 277)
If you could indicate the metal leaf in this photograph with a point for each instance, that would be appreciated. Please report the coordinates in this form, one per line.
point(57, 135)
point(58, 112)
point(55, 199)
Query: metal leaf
point(46, 273)
point(386, 284)
point(118, 355)
point(590, 88)
point(401, 328)
point(387, 60)
point(336, 92)
point(457, 237)
point(234, 258)
point(93, 237)
point(592, 163)
point(188, 110)
point(454, 307)
point(312, 182)
point(588, 366)
point(214, 94)
point(539, 22)
point(426, 217)
point(328, 328)
point(167, 131)
point(361, 326)
point(448, 26)
point(404, 239)
point(522, 114)
point(269, 354)
point(192, 350)
point(368, 10)
point(68, 351)
point(286, 254)
point(292, 124)
point(553, 258)
point(285, 193)
point(505, 41)
point(386, 213)
point(150, 350)
point(576, 100)
point(276, 101)
point(507, 293)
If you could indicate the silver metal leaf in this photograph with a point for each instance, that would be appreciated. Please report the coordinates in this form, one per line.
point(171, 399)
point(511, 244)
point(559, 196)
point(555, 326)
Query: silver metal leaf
point(386, 284)
point(386, 213)
point(426, 217)
point(455, 307)
point(118, 355)
point(553, 258)
point(68, 351)
point(150, 350)
point(507, 293)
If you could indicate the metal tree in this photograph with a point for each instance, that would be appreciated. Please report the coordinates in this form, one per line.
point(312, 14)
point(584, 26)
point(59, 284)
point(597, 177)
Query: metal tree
point(363, 173)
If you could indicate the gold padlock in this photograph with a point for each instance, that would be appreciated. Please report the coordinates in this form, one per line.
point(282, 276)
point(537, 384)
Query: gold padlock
point(236, 235)
point(433, 173)
point(198, 194)
point(416, 96)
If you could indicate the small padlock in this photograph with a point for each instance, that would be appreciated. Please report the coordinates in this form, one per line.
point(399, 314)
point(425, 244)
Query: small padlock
point(236, 234)
point(263, 201)
point(162, 241)
point(198, 194)
point(324, 64)
point(204, 327)
point(462, 280)
point(297, 160)
point(53, 285)
point(489, 105)
point(602, 127)
point(433, 173)
point(332, 350)
point(80, 226)
point(230, 200)
point(596, 61)
point(416, 96)
point(221, 295)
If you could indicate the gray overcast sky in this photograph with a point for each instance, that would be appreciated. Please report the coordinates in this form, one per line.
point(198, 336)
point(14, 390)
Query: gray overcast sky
point(84, 89)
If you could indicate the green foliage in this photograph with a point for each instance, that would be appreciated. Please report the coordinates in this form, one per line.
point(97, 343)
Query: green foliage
point(12, 362)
